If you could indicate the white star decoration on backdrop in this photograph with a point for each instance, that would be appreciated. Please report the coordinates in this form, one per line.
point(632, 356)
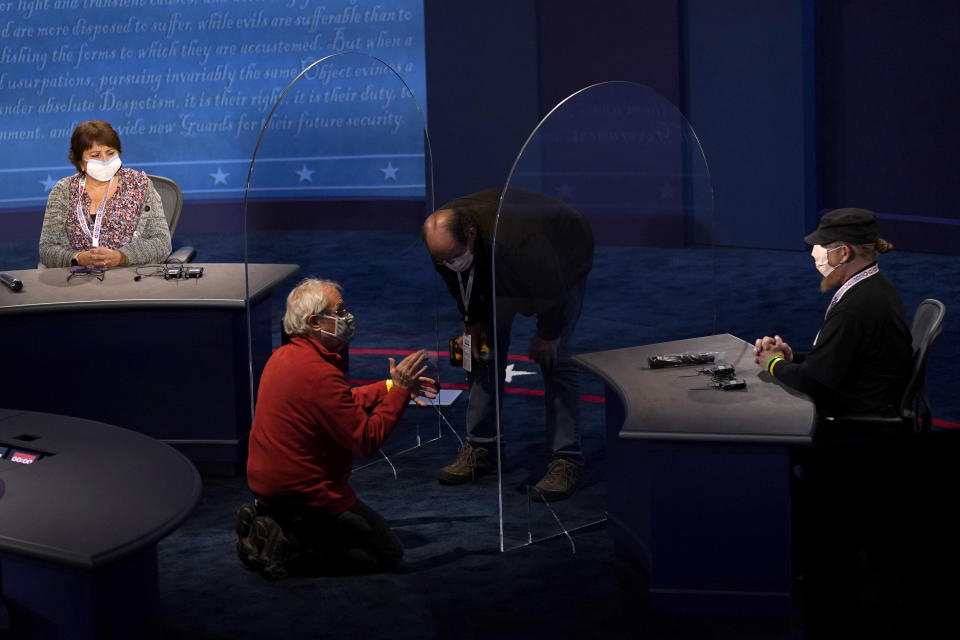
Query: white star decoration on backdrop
point(390, 172)
point(48, 183)
point(511, 373)
point(305, 175)
point(219, 177)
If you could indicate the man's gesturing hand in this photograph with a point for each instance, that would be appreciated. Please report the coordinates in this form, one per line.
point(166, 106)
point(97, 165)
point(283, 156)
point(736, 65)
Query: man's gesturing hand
point(408, 374)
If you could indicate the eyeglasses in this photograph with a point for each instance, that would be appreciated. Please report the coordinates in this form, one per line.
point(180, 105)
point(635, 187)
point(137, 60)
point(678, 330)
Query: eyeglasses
point(87, 271)
point(340, 313)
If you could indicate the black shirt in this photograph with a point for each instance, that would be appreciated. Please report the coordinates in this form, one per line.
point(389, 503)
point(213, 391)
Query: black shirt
point(863, 358)
point(543, 248)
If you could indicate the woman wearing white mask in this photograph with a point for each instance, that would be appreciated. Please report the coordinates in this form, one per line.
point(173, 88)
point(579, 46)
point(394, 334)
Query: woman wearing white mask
point(104, 215)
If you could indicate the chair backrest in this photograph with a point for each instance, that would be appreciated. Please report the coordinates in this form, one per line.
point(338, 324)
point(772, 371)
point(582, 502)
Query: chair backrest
point(926, 326)
point(172, 198)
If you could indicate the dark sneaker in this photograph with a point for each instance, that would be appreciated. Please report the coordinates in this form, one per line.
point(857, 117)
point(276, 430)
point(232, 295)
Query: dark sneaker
point(471, 463)
point(274, 548)
point(561, 480)
point(244, 526)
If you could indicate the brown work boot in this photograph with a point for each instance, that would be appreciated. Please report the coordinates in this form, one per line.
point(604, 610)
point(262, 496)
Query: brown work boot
point(472, 462)
point(275, 549)
point(560, 481)
point(243, 525)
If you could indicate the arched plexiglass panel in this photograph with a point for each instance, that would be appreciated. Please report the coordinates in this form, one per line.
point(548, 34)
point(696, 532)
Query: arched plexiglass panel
point(604, 223)
point(338, 189)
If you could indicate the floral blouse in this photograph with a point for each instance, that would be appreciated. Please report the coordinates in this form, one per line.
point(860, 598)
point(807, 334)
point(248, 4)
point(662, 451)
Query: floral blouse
point(120, 215)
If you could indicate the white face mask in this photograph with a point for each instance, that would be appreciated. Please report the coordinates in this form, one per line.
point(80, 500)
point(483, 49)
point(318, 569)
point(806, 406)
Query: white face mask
point(103, 171)
point(461, 263)
point(821, 257)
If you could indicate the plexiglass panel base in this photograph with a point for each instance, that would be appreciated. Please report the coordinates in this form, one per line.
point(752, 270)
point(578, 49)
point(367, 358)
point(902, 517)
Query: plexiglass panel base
point(606, 218)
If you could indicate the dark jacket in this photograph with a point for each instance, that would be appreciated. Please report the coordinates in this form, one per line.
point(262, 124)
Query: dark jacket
point(863, 358)
point(543, 248)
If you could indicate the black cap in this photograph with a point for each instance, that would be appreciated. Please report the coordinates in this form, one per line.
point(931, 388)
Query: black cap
point(856, 226)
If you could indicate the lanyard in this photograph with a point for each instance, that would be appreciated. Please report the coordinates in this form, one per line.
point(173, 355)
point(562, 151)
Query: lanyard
point(863, 275)
point(82, 219)
point(465, 293)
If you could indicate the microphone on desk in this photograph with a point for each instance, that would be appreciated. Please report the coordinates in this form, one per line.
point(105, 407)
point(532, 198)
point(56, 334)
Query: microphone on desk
point(11, 280)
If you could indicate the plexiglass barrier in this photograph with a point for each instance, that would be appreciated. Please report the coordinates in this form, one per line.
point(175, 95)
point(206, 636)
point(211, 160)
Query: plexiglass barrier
point(346, 125)
point(605, 223)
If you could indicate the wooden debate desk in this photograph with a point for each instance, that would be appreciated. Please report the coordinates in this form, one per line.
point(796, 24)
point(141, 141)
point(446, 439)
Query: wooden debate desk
point(82, 508)
point(699, 480)
point(167, 358)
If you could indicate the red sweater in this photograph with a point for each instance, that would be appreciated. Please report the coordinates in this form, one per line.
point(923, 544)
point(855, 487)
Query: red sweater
point(308, 425)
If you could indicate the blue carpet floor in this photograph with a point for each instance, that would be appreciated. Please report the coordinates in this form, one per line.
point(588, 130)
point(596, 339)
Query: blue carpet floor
point(456, 583)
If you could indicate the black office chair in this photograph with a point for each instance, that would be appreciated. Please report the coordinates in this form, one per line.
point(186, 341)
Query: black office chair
point(874, 483)
point(914, 415)
point(927, 325)
point(172, 199)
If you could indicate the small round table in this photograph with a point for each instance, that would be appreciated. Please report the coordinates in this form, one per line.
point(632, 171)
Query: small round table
point(82, 508)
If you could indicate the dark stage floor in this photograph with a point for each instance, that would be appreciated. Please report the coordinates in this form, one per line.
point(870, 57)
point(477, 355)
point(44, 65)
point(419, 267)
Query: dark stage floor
point(457, 584)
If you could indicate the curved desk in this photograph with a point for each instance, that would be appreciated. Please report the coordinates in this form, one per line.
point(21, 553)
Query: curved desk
point(699, 479)
point(79, 525)
point(171, 356)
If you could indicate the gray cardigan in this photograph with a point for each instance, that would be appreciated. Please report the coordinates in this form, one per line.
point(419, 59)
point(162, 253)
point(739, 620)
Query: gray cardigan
point(150, 243)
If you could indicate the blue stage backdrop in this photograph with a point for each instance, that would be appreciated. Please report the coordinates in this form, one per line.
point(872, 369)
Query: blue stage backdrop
point(188, 84)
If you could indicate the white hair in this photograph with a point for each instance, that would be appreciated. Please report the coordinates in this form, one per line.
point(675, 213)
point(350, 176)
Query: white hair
point(307, 299)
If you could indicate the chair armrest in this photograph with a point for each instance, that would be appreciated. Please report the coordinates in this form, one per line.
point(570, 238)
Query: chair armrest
point(183, 254)
point(863, 427)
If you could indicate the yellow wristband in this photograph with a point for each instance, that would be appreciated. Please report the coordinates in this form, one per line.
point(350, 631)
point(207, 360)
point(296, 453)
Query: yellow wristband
point(389, 385)
point(772, 362)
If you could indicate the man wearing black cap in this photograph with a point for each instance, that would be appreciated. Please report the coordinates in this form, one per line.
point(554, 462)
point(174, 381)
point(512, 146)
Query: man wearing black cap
point(860, 363)
point(862, 357)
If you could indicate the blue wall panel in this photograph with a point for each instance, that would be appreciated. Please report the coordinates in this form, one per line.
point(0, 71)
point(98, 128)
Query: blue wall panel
point(582, 44)
point(888, 83)
point(482, 90)
point(748, 87)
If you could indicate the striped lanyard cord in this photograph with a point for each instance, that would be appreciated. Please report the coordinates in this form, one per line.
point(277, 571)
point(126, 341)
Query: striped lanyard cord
point(465, 293)
point(849, 284)
point(82, 219)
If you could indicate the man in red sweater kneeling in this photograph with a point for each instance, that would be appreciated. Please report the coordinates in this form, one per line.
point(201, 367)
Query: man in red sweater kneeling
point(307, 426)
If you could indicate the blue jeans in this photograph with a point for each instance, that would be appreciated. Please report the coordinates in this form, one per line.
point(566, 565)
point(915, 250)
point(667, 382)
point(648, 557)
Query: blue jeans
point(561, 388)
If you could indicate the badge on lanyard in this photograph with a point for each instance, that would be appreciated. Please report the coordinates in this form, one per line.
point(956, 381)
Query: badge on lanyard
point(467, 352)
point(465, 294)
point(82, 219)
